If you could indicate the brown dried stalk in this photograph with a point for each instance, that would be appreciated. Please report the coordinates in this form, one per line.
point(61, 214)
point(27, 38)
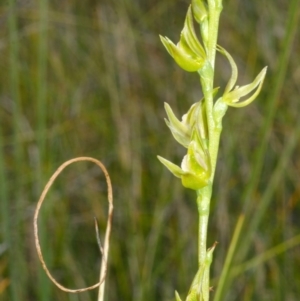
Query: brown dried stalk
point(104, 250)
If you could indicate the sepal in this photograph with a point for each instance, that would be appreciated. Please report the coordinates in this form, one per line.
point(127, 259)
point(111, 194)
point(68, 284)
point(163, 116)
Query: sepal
point(188, 35)
point(173, 168)
point(233, 97)
point(181, 57)
point(234, 70)
point(180, 130)
point(232, 93)
point(189, 54)
point(177, 296)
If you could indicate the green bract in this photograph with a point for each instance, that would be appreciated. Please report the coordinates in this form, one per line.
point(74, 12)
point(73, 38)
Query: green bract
point(189, 54)
point(197, 291)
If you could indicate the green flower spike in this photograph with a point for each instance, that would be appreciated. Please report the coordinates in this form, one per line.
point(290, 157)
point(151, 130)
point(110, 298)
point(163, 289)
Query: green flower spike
point(189, 54)
point(195, 168)
point(233, 95)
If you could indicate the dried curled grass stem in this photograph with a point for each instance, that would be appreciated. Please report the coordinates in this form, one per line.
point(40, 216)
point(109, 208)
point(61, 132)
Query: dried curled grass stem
point(101, 283)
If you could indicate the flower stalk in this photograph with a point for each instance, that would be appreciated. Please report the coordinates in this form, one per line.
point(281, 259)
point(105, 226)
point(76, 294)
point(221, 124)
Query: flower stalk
point(200, 128)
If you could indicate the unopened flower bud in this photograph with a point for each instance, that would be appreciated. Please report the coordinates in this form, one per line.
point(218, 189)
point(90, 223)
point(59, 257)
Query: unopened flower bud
point(199, 10)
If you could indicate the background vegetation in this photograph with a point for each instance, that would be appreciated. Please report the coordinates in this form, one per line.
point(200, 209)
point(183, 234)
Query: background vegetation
point(90, 78)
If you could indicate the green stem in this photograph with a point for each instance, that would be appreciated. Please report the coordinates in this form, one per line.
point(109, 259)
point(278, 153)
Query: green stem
point(214, 131)
point(215, 8)
point(203, 202)
point(207, 79)
point(207, 74)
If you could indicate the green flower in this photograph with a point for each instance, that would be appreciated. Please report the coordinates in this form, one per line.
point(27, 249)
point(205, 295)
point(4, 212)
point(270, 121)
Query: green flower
point(189, 54)
point(195, 168)
point(232, 93)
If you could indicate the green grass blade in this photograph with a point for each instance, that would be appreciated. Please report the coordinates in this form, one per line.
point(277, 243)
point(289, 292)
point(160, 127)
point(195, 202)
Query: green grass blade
point(18, 273)
point(44, 285)
point(228, 261)
point(262, 258)
point(272, 101)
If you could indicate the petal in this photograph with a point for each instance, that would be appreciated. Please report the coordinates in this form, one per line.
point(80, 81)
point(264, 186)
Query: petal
point(184, 61)
point(178, 136)
point(188, 34)
point(198, 161)
point(189, 118)
point(234, 70)
point(202, 125)
point(193, 181)
point(177, 296)
point(234, 96)
point(174, 169)
point(180, 131)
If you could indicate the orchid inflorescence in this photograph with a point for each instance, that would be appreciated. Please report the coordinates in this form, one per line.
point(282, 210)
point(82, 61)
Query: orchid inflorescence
point(191, 131)
point(200, 128)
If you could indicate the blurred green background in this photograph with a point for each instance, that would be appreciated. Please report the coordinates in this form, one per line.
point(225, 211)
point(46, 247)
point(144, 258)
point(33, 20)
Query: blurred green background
point(90, 78)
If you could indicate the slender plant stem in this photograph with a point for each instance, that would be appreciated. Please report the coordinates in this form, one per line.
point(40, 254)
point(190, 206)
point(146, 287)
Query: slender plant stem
point(207, 81)
point(215, 8)
point(203, 202)
point(207, 74)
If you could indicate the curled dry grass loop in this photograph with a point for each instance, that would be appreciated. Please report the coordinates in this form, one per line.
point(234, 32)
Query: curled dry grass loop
point(105, 248)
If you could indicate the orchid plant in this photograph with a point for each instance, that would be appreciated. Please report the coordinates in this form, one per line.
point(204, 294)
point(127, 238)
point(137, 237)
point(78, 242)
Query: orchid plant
point(200, 128)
